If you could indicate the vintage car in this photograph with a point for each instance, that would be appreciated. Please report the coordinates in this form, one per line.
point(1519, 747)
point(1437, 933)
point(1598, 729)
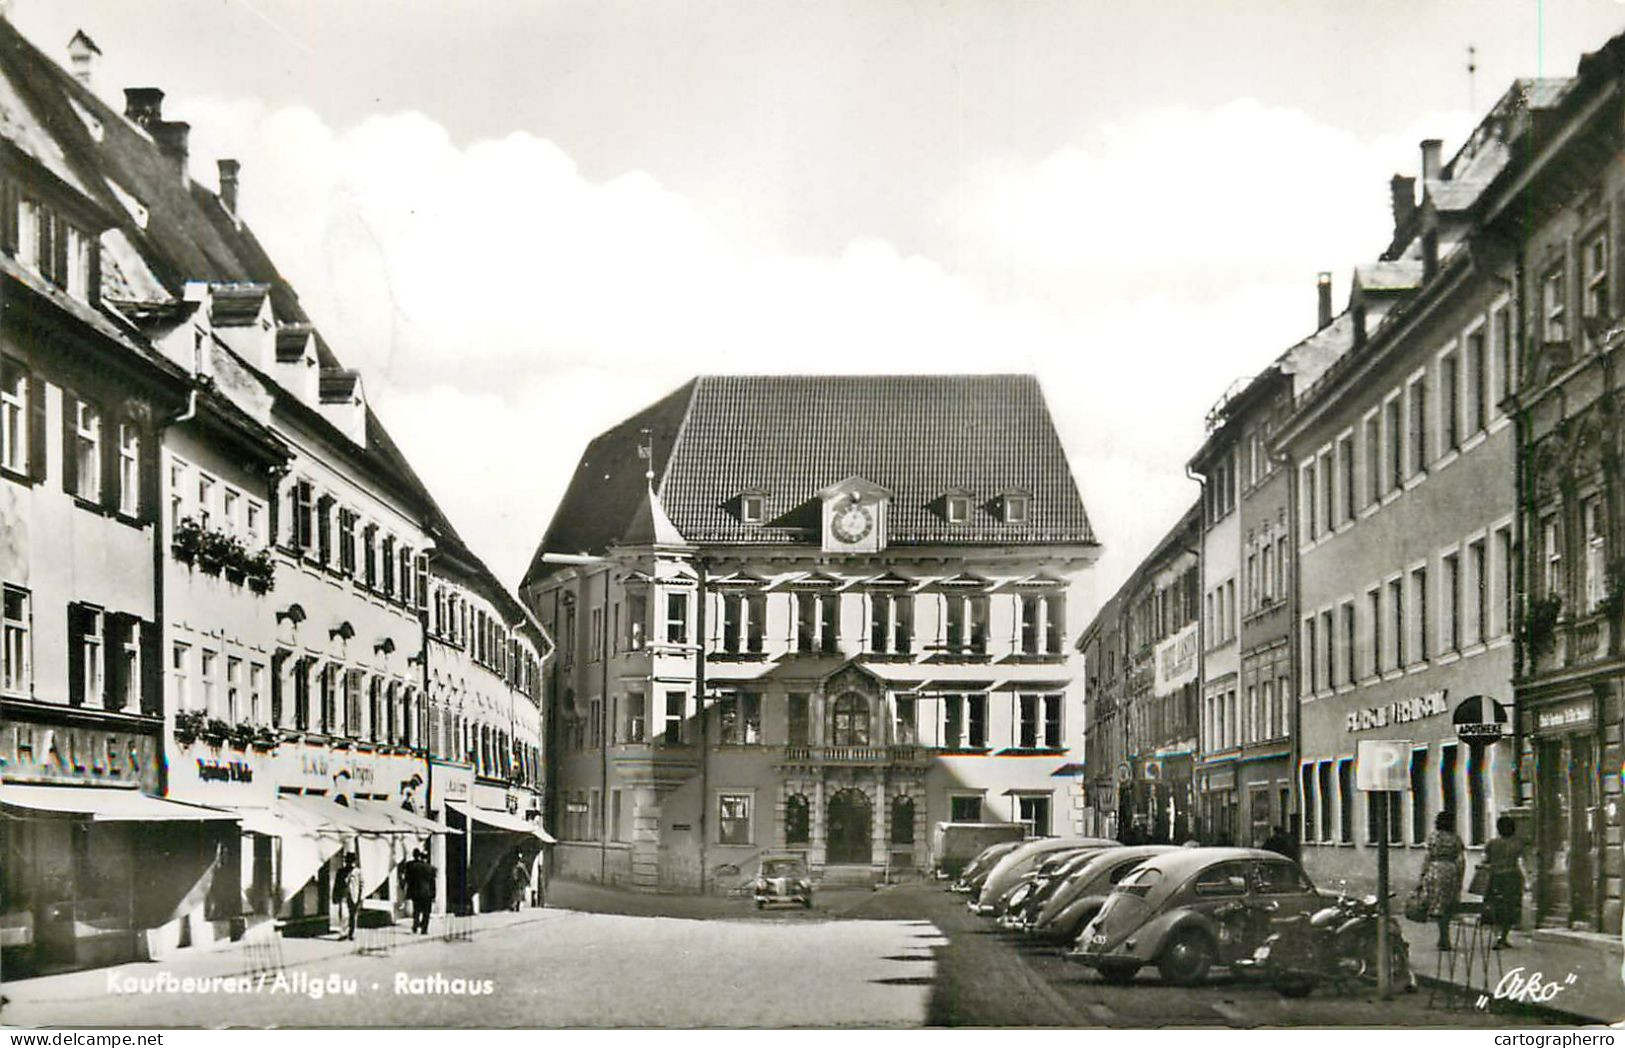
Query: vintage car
point(1039, 884)
point(781, 879)
point(1191, 909)
point(1063, 913)
point(972, 877)
point(1007, 875)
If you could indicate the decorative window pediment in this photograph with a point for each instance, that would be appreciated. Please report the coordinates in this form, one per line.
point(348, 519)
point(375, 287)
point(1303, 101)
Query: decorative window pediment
point(816, 580)
point(739, 580)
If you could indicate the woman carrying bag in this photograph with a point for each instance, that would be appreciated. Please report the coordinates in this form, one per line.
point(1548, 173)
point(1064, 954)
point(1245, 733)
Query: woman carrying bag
point(1442, 872)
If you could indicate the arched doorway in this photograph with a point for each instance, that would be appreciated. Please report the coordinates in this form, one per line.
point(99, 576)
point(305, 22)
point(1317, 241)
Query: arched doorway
point(849, 837)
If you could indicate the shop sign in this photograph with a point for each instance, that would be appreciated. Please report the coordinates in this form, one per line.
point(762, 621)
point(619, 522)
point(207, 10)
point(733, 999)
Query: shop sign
point(224, 771)
point(1480, 719)
point(1564, 716)
point(43, 753)
point(450, 784)
point(1176, 661)
point(1401, 711)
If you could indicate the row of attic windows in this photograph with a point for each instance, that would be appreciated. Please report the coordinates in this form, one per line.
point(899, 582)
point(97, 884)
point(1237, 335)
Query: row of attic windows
point(955, 508)
point(46, 243)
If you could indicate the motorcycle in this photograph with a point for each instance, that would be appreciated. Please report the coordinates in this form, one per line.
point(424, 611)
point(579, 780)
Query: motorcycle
point(1337, 944)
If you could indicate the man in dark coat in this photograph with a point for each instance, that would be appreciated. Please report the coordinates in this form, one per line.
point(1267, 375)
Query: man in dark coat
point(417, 878)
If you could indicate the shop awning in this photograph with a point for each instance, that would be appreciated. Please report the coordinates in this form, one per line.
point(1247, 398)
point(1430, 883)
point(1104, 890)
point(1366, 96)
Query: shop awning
point(103, 804)
point(405, 821)
point(344, 819)
point(502, 821)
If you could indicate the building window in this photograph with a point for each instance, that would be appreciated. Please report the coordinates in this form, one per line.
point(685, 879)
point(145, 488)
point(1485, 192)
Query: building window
point(1345, 468)
point(1596, 276)
point(348, 519)
point(304, 515)
point(129, 470)
point(1374, 616)
point(1375, 801)
point(634, 714)
point(1419, 796)
point(1503, 352)
point(1554, 305)
point(1329, 659)
point(180, 662)
point(14, 417)
point(677, 618)
point(1042, 624)
point(905, 728)
point(743, 618)
point(1448, 799)
point(1311, 675)
point(1306, 498)
point(1478, 579)
point(965, 807)
point(234, 688)
point(1552, 543)
point(1015, 509)
point(956, 508)
point(256, 693)
point(1396, 444)
point(817, 622)
point(1345, 800)
point(1451, 582)
point(86, 451)
point(637, 619)
point(891, 623)
point(1478, 383)
point(205, 499)
point(967, 618)
point(977, 705)
point(741, 717)
point(676, 713)
point(1596, 564)
point(1450, 401)
point(1396, 612)
point(1326, 799)
point(87, 654)
point(1419, 431)
point(205, 673)
point(799, 719)
point(1350, 665)
point(849, 723)
point(1034, 813)
point(1328, 490)
point(1311, 827)
point(1040, 722)
point(752, 508)
point(1373, 459)
point(1503, 579)
point(16, 646)
point(733, 818)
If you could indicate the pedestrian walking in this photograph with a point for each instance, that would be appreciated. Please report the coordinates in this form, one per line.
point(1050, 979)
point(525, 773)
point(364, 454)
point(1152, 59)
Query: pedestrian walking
point(518, 883)
point(347, 893)
point(1503, 902)
point(418, 881)
point(1441, 873)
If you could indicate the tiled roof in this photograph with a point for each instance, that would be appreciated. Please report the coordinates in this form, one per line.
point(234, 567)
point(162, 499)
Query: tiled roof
point(920, 437)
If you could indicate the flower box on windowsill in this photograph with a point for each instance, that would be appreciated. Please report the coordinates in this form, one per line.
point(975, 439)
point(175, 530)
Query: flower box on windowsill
point(265, 739)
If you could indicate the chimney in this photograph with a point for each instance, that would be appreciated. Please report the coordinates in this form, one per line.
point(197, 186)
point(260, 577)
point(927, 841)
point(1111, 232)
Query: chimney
point(1402, 188)
point(1430, 159)
point(1323, 287)
point(82, 55)
point(1430, 254)
point(144, 105)
point(228, 184)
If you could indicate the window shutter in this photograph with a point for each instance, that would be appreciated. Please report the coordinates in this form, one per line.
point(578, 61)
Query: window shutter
point(114, 629)
point(76, 655)
point(152, 668)
point(108, 449)
point(59, 252)
point(147, 468)
point(93, 281)
point(274, 511)
point(70, 461)
point(9, 203)
point(38, 437)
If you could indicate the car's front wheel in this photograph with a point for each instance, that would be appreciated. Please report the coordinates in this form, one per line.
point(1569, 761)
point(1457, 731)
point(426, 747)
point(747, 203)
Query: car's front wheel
point(1186, 959)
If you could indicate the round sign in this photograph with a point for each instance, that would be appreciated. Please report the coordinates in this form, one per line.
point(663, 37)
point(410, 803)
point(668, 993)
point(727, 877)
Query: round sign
point(1125, 772)
point(1480, 719)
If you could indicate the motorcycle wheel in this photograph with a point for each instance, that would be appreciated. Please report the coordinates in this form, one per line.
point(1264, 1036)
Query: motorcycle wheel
point(1295, 985)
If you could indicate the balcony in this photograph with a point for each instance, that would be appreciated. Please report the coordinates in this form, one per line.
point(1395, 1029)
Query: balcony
point(857, 756)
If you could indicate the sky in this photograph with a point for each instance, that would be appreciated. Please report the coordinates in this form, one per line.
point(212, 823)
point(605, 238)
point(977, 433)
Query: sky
point(524, 220)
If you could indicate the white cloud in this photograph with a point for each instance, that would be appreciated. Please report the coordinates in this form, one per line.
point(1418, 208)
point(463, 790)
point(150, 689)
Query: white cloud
point(505, 308)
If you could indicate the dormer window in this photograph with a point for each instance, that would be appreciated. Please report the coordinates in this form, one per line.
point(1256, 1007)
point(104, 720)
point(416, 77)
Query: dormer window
point(956, 509)
point(752, 508)
point(1015, 509)
point(54, 248)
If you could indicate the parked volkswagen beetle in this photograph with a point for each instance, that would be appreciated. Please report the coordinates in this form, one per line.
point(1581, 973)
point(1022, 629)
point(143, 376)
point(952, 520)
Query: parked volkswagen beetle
point(1075, 903)
point(1189, 910)
point(1007, 874)
point(975, 872)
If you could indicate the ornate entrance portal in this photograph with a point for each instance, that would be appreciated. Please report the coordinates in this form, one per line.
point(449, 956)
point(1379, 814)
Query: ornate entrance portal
point(850, 835)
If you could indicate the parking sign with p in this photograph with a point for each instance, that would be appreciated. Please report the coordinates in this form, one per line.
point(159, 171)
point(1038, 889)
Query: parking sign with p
point(1383, 764)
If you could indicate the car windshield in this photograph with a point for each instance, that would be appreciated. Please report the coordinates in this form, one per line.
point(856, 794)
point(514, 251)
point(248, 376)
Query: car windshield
point(782, 868)
point(1140, 882)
